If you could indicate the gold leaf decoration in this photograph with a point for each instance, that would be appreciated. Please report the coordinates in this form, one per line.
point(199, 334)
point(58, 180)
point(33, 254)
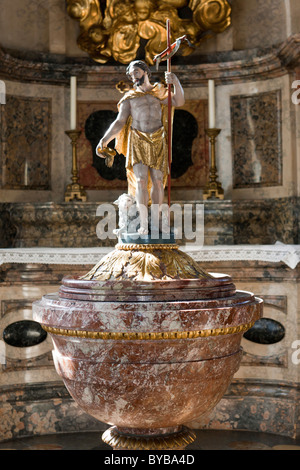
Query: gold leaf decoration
point(109, 267)
point(146, 263)
point(116, 32)
point(144, 266)
point(179, 265)
point(150, 335)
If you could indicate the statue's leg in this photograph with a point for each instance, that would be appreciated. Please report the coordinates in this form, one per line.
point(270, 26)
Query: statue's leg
point(157, 190)
point(141, 195)
point(157, 198)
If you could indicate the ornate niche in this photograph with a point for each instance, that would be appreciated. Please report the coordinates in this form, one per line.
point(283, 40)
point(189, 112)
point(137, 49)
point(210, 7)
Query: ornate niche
point(117, 29)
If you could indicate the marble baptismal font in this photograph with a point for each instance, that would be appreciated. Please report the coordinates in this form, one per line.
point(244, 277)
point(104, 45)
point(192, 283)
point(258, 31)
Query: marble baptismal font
point(147, 341)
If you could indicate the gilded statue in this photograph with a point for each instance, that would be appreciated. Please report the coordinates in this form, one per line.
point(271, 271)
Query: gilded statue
point(140, 131)
point(116, 31)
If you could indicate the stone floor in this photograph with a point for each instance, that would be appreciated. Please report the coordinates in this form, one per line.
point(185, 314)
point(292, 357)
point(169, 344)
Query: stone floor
point(206, 440)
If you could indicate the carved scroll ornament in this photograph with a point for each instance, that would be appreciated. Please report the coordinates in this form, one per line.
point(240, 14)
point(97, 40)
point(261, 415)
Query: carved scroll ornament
point(115, 30)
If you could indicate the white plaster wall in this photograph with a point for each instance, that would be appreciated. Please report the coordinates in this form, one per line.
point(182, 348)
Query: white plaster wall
point(24, 25)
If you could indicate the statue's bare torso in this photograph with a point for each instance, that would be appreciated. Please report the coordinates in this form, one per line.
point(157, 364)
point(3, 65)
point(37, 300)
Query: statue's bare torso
point(146, 113)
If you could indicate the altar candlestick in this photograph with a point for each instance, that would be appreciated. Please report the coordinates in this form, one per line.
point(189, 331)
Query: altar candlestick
point(73, 103)
point(213, 189)
point(211, 104)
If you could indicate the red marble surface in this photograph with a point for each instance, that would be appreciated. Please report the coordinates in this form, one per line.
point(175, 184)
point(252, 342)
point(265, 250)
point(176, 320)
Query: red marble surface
point(151, 316)
point(149, 395)
point(147, 383)
point(133, 291)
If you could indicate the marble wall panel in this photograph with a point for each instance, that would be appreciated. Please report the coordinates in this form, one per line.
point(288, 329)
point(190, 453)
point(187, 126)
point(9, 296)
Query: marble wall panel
point(256, 139)
point(75, 224)
point(256, 405)
point(41, 136)
point(266, 221)
point(226, 145)
point(41, 408)
point(65, 225)
point(25, 143)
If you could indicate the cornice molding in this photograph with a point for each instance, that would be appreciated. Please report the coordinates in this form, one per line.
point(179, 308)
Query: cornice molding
point(289, 52)
point(224, 67)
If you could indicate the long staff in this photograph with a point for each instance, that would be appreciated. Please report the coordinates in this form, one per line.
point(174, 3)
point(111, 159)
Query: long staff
point(169, 115)
point(166, 55)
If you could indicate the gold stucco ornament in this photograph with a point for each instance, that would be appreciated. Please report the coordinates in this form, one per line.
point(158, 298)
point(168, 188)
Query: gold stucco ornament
point(146, 262)
point(115, 30)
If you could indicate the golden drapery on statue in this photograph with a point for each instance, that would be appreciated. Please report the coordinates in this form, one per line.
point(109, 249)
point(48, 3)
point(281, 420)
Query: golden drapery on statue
point(140, 147)
point(116, 32)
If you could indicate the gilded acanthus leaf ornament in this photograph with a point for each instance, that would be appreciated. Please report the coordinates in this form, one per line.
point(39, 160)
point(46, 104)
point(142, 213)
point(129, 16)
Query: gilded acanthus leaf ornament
point(146, 263)
point(115, 30)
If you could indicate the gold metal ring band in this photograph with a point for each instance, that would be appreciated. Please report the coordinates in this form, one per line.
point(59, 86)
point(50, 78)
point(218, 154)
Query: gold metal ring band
point(231, 330)
point(145, 247)
point(174, 441)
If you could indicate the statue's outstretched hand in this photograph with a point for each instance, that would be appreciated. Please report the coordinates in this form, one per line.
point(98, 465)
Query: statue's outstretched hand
point(100, 147)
